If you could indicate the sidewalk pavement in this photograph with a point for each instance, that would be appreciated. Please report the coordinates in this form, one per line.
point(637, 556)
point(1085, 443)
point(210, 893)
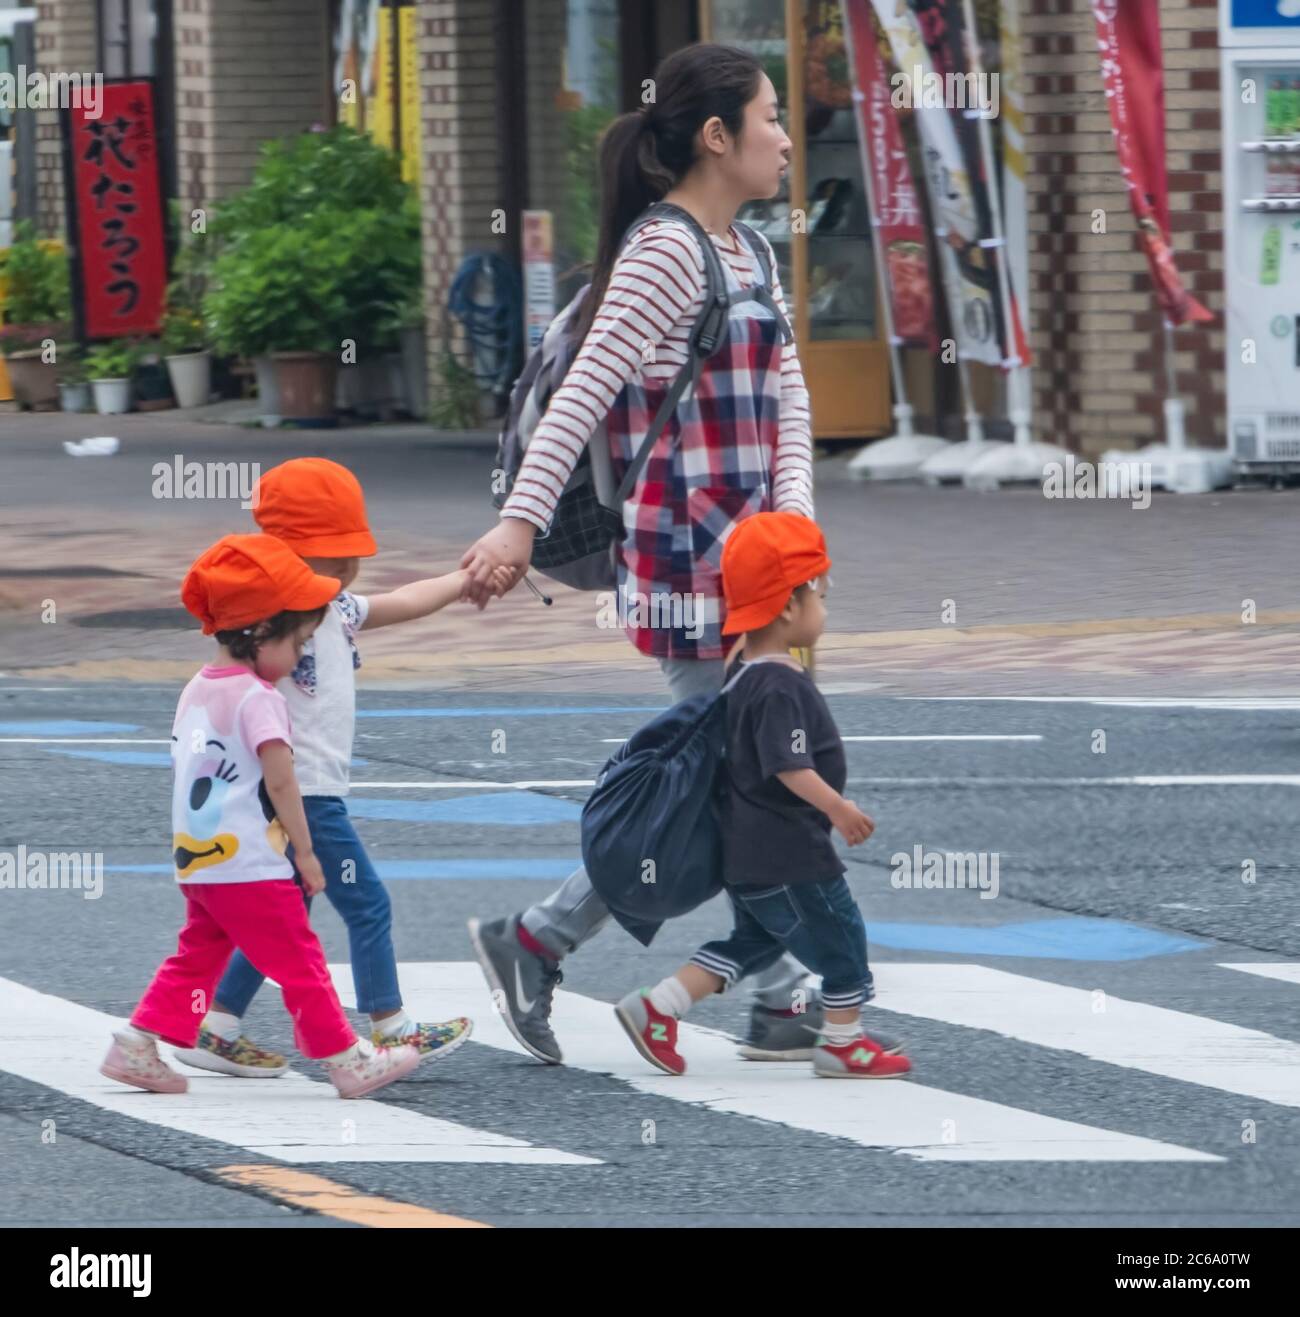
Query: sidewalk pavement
point(936, 591)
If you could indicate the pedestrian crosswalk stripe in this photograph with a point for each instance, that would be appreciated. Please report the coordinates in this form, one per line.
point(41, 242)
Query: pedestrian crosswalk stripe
point(1284, 972)
point(59, 1044)
point(1159, 1041)
point(905, 1116)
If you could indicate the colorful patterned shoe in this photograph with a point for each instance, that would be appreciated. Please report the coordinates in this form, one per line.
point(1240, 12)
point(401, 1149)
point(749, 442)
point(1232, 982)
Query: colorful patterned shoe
point(436, 1040)
point(242, 1058)
point(653, 1034)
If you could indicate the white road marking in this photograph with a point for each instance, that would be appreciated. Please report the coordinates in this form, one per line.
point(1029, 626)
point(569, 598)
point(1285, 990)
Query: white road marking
point(60, 1044)
point(1280, 703)
point(1191, 1048)
point(79, 740)
point(462, 786)
point(897, 1115)
point(1284, 973)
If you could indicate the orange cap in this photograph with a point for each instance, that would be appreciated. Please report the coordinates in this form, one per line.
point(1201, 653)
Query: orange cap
point(763, 559)
point(316, 507)
point(243, 579)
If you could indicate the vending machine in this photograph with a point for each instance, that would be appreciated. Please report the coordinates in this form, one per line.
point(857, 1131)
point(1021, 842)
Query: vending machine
point(1259, 44)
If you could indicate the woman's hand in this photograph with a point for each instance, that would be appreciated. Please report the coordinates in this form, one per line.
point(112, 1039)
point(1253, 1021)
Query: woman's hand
point(509, 545)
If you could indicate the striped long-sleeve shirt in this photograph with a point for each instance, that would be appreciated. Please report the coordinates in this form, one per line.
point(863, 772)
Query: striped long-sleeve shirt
point(653, 300)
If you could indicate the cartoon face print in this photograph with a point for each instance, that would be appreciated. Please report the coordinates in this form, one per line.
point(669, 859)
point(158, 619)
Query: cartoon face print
point(204, 844)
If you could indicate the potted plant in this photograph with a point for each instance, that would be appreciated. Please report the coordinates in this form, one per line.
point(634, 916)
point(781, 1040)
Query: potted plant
point(309, 260)
point(109, 367)
point(189, 363)
point(74, 391)
point(36, 306)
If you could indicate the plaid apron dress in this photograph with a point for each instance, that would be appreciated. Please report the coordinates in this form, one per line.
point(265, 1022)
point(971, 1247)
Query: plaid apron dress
point(710, 468)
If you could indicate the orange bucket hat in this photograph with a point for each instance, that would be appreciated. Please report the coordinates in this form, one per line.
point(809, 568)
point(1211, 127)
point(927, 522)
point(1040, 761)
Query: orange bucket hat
point(316, 507)
point(763, 559)
point(243, 579)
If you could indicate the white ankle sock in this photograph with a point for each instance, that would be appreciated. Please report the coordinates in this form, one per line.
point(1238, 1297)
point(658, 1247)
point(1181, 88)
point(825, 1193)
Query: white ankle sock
point(360, 1048)
point(840, 1035)
point(670, 997)
point(396, 1026)
point(225, 1026)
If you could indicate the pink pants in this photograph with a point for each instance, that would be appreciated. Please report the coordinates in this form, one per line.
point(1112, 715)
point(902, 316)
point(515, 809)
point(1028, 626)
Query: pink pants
point(267, 921)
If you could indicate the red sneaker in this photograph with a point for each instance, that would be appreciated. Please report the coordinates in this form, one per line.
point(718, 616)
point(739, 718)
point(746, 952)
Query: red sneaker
point(654, 1034)
point(860, 1059)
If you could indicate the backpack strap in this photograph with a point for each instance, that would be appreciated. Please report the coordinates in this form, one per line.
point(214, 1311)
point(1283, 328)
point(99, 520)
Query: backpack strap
point(761, 292)
point(705, 335)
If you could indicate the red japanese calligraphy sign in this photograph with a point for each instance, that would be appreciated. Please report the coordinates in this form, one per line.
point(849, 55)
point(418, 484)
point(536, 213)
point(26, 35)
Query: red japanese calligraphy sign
point(115, 213)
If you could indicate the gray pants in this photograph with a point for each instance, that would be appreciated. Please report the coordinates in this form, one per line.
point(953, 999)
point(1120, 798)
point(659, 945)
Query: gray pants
point(573, 912)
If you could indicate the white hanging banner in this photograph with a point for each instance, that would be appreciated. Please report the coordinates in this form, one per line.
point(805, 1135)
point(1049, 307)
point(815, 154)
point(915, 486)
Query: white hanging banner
point(952, 198)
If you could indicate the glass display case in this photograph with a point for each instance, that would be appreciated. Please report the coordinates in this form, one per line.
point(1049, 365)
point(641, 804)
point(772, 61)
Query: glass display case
point(819, 226)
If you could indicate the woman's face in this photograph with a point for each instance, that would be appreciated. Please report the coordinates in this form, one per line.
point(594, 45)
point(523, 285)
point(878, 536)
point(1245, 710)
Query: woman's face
point(761, 154)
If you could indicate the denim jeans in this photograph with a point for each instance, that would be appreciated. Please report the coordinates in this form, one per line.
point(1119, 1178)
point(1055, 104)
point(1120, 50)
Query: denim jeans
point(573, 913)
point(819, 923)
point(354, 889)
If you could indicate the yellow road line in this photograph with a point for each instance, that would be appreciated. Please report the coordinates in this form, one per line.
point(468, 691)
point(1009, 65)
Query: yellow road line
point(317, 1194)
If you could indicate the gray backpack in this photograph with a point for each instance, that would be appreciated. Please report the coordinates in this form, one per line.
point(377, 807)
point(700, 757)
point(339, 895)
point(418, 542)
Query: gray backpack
point(579, 547)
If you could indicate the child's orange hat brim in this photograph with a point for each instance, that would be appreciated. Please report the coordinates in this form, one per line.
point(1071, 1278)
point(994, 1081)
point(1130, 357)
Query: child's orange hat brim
point(244, 579)
point(316, 507)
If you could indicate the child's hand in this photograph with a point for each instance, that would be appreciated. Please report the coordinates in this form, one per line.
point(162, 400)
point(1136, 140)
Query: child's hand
point(309, 870)
point(851, 823)
point(502, 582)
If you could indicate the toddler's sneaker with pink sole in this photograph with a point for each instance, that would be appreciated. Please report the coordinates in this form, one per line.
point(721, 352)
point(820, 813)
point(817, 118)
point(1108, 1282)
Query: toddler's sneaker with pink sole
point(134, 1060)
point(372, 1068)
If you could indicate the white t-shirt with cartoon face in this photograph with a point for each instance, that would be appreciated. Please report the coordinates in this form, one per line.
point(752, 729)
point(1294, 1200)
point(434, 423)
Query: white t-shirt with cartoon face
point(224, 828)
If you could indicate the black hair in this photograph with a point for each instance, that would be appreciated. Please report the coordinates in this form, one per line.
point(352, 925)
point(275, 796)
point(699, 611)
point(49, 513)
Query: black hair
point(243, 642)
point(644, 154)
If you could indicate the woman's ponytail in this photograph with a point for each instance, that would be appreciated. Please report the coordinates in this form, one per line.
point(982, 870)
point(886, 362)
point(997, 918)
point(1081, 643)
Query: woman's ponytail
point(644, 154)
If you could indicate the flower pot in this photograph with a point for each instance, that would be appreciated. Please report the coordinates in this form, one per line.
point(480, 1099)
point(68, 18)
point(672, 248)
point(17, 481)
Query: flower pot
point(35, 382)
point(112, 397)
point(268, 391)
point(306, 382)
point(75, 397)
point(415, 370)
point(191, 377)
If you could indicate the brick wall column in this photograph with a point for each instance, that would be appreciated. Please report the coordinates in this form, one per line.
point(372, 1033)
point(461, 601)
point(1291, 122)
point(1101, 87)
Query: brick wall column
point(66, 42)
point(1096, 325)
point(246, 71)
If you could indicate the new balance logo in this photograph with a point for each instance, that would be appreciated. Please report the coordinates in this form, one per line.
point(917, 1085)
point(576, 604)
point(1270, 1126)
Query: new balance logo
point(659, 1033)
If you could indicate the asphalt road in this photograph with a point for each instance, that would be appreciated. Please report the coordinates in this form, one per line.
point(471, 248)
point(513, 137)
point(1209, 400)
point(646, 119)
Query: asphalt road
point(1081, 1053)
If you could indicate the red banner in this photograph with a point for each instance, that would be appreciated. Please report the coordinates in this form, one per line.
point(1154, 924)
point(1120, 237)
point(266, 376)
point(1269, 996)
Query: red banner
point(1132, 70)
point(898, 217)
point(116, 207)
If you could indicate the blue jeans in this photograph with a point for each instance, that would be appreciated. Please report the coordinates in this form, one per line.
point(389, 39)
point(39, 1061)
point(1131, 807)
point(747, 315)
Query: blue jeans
point(356, 892)
point(817, 923)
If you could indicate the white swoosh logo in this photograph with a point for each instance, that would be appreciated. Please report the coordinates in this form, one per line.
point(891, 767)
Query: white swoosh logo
point(524, 1004)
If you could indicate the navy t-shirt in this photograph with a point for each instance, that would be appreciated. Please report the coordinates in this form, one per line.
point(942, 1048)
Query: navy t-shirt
point(777, 720)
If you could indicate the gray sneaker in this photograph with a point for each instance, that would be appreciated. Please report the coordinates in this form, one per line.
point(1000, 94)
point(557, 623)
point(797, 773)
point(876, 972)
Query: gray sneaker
point(776, 1036)
point(522, 985)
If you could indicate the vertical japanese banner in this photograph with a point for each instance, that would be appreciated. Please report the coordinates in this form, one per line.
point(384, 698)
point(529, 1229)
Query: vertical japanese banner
point(379, 105)
point(115, 213)
point(537, 241)
point(1132, 71)
point(347, 67)
point(410, 58)
point(903, 238)
point(971, 289)
point(1015, 205)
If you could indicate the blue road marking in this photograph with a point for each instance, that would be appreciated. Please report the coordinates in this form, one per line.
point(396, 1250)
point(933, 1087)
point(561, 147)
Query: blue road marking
point(1037, 939)
point(63, 727)
point(548, 711)
point(494, 808)
point(549, 871)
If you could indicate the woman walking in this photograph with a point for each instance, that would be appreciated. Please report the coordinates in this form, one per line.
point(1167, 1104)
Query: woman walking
point(739, 442)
